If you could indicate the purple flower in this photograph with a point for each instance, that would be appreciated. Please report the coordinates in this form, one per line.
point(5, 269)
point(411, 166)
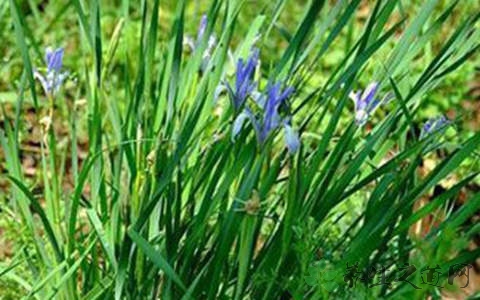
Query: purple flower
point(366, 102)
point(270, 119)
point(244, 83)
point(53, 79)
point(202, 28)
point(194, 44)
point(433, 125)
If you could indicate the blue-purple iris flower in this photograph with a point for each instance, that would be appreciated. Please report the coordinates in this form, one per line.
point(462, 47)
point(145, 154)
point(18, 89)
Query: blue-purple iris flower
point(195, 44)
point(53, 79)
point(270, 118)
point(202, 28)
point(366, 102)
point(433, 125)
point(244, 82)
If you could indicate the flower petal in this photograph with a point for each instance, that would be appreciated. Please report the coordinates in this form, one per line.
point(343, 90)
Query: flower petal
point(361, 117)
point(188, 41)
point(202, 28)
point(369, 93)
point(43, 81)
point(259, 98)
point(48, 55)
point(374, 104)
point(355, 96)
point(291, 139)
point(434, 124)
point(218, 91)
point(55, 60)
point(238, 124)
point(286, 94)
point(60, 78)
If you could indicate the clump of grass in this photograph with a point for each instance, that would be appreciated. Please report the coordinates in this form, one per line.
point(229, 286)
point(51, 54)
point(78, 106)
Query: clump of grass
point(167, 204)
